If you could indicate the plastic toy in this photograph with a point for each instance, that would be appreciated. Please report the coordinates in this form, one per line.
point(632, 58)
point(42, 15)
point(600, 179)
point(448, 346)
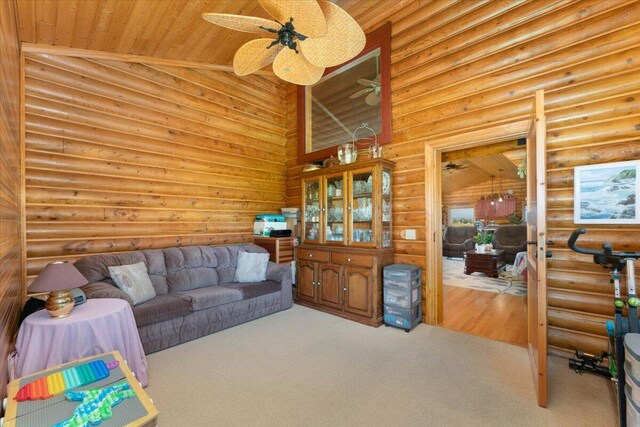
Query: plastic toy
point(68, 379)
point(96, 405)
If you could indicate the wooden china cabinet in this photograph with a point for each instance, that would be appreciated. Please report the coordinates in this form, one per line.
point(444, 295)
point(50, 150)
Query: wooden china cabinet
point(346, 239)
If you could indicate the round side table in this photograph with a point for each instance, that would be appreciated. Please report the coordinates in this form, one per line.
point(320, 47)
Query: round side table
point(98, 326)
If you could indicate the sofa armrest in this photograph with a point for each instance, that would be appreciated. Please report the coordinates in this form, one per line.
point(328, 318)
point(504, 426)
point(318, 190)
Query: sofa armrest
point(282, 273)
point(105, 290)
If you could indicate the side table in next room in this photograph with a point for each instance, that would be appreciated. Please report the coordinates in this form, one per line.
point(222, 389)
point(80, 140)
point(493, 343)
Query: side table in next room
point(98, 326)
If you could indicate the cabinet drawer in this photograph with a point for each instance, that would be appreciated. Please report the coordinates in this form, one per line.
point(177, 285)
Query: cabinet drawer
point(320, 256)
point(350, 259)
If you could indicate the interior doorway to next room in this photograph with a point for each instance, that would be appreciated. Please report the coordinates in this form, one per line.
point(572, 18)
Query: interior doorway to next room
point(483, 194)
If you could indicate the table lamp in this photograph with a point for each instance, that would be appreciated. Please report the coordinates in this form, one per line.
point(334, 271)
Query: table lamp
point(57, 278)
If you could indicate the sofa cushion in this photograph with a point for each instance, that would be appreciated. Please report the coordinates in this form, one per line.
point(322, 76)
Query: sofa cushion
point(95, 268)
point(227, 261)
point(134, 280)
point(210, 296)
point(161, 308)
point(252, 290)
point(252, 267)
point(191, 267)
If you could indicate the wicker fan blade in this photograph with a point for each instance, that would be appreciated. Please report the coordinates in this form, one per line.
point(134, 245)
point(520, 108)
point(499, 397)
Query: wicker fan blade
point(361, 92)
point(372, 99)
point(344, 38)
point(247, 24)
point(367, 82)
point(308, 19)
point(254, 55)
point(294, 68)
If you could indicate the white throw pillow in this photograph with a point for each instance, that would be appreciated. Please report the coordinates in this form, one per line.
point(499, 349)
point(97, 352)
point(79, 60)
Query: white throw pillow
point(252, 267)
point(134, 280)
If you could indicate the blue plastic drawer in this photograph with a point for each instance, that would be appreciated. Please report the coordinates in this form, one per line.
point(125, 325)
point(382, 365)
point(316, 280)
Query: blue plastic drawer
point(404, 298)
point(406, 319)
point(402, 284)
point(402, 276)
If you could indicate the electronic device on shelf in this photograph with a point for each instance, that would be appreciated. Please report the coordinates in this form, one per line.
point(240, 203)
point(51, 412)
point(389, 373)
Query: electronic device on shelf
point(280, 233)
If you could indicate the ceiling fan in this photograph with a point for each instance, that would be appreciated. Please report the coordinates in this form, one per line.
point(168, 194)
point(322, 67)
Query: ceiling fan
point(453, 166)
point(310, 35)
point(372, 91)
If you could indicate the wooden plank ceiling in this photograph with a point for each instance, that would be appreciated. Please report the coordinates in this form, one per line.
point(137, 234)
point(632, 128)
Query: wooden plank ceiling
point(169, 29)
point(463, 173)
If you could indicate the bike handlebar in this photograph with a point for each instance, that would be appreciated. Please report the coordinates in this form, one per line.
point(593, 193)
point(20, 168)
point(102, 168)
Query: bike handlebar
point(607, 248)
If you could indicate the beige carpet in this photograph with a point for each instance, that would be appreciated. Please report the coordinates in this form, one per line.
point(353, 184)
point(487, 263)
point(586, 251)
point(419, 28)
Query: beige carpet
point(302, 367)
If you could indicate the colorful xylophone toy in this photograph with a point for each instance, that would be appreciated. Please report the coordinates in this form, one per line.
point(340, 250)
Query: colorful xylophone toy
point(67, 379)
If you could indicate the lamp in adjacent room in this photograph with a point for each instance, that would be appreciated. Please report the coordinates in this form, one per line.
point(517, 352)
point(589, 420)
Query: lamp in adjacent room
point(500, 199)
point(492, 201)
point(57, 278)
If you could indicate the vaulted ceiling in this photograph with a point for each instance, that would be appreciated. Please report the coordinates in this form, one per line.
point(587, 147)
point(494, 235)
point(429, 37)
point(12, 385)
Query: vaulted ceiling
point(169, 29)
point(477, 170)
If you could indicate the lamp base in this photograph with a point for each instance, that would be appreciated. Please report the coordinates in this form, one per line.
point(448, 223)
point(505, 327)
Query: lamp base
point(59, 304)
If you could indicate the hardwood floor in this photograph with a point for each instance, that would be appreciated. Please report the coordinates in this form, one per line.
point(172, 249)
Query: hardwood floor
point(489, 315)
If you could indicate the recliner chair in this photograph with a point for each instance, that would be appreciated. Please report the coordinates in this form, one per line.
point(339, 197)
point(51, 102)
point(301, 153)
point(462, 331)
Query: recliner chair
point(457, 240)
point(512, 239)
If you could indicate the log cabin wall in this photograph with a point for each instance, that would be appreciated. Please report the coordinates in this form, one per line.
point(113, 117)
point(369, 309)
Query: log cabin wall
point(123, 156)
point(11, 271)
point(461, 67)
point(468, 197)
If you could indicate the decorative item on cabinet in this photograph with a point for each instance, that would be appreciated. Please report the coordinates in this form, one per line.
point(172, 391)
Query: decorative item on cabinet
point(346, 240)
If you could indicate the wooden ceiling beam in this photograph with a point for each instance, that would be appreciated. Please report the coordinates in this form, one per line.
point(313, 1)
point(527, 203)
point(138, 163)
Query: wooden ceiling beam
point(481, 151)
point(126, 57)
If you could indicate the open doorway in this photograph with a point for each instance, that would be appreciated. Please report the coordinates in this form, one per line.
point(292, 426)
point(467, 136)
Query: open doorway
point(483, 195)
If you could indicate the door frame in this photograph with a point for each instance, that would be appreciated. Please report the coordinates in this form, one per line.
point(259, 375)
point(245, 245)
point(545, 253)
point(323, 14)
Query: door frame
point(433, 149)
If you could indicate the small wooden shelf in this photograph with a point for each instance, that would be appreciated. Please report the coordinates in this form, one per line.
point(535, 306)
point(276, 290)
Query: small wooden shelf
point(280, 248)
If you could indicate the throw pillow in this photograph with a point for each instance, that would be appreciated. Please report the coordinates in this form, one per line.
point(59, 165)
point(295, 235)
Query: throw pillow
point(134, 280)
point(252, 267)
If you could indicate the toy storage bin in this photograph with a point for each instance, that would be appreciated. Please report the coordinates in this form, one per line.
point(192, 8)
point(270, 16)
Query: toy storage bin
point(402, 298)
point(633, 410)
point(632, 355)
point(401, 276)
point(632, 386)
point(405, 318)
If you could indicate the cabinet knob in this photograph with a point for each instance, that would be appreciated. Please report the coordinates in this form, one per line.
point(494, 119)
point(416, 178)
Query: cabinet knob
point(310, 255)
point(314, 283)
point(318, 284)
point(349, 259)
point(344, 289)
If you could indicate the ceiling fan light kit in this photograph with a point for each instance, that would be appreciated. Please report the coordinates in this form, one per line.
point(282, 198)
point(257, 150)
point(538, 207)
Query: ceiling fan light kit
point(310, 35)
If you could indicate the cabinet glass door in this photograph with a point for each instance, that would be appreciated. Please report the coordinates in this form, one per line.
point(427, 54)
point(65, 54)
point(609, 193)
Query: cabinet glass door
point(312, 208)
point(361, 204)
point(334, 213)
point(386, 208)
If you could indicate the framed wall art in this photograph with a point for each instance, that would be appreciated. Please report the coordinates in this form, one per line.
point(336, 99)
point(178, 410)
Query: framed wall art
point(607, 193)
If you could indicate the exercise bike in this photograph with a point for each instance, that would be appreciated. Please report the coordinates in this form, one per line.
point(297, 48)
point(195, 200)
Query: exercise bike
point(616, 262)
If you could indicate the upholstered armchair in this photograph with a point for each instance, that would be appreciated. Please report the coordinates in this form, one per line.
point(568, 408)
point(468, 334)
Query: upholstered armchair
point(458, 240)
point(512, 239)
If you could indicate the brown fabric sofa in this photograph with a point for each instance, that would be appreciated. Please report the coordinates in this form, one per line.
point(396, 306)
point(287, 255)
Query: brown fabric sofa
point(512, 239)
point(195, 291)
point(457, 240)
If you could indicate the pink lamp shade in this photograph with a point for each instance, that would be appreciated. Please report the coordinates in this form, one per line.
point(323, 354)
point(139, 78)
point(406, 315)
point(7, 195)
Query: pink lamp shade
point(58, 276)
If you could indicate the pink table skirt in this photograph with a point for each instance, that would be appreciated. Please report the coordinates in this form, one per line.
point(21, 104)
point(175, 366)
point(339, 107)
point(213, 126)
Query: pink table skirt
point(95, 327)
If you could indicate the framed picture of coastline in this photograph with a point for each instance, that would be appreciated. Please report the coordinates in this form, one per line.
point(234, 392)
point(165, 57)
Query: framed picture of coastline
point(607, 193)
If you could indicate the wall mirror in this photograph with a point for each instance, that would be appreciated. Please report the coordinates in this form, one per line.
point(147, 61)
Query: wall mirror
point(347, 95)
